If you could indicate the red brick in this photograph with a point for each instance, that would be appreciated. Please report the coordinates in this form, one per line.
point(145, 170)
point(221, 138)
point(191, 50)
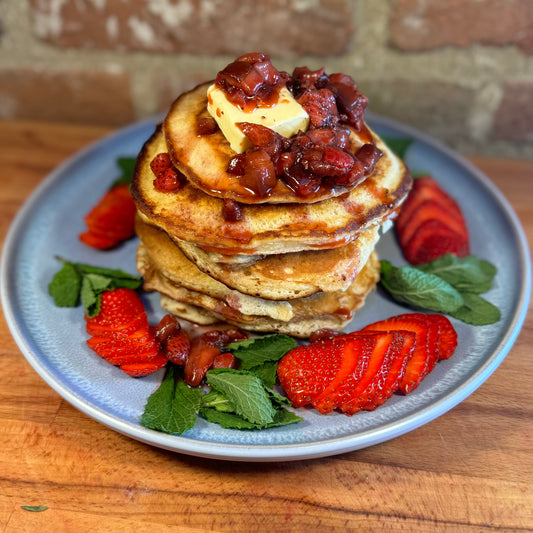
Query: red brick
point(514, 118)
point(282, 28)
point(424, 25)
point(89, 97)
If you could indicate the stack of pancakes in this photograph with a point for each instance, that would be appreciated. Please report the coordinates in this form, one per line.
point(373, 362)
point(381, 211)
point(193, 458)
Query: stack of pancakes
point(291, 265)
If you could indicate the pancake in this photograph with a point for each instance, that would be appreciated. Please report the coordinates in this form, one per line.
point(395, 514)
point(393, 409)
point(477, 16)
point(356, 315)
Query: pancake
point(192, 215)
point(275, 277)
point(158, 257)
point(321, 310)
point(292, 275)
point(204, 158)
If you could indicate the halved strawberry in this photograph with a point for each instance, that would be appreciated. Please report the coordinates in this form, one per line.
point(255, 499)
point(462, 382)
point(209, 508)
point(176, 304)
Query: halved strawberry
point(97, 240)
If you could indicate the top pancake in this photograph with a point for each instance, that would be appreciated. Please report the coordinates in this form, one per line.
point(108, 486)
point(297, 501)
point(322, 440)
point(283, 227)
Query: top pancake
point(204, 158)
point(192, 215)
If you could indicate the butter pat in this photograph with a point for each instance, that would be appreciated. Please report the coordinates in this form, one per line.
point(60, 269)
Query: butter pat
point(287, 117)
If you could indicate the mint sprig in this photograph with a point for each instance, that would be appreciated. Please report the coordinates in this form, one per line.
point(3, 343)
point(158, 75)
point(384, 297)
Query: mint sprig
point(260, 355)
point(238, 399)
point(449, 285)
point(77, 281)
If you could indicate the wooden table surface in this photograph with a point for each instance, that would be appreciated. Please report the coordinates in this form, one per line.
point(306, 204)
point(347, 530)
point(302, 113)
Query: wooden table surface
point(468, 470)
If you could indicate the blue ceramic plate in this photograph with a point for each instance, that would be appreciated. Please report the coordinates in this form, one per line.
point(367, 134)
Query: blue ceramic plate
point(53, 339)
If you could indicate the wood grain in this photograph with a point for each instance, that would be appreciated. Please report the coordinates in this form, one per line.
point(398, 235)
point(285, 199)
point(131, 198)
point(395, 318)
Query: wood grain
point(469, 470)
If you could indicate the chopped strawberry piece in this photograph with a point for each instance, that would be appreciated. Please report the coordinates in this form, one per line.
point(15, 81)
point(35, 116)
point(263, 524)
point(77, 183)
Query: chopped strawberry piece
point(178, 347)
point(160, 164)
point(111, 220)
point(431, 224)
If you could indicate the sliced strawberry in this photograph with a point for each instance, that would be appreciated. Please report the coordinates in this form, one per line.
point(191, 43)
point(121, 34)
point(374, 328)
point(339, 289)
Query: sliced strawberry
point(351, 392)
point(390, 375)
point(122, 335)
point(118, 309)
point(424, 189)
point(139, 370)
point(357, 350)
point(433, 239)
point(423, 357)
point(137, 326)
point(97, 240)
point(111, 220)
point(431, 224)
point(120, 346)
point(305, 371)
point(447, 336)
point(431, 210)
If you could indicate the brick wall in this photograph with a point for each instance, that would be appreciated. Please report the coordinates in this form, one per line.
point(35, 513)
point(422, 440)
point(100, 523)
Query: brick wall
point(460, 70)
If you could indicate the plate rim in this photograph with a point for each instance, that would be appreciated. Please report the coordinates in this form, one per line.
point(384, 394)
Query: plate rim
point(275, 452)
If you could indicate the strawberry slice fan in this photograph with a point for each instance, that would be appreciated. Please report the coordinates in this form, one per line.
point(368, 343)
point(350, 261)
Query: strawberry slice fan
point(430, 224)
point(362, 370)
point(111, 220)
point(121, 335)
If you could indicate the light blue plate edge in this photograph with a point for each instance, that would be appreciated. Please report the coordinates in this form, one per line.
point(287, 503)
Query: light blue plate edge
point(276, 452)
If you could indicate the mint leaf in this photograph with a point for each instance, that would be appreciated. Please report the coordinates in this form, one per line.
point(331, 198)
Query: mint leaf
point(65, 286)
point(127, 166)
point(412, 286)
point(90, 298)
point(173, 407)
point(466, 274)
point(117, 275)
point(256, 351)
point(245, 391)
point(266, 372)
point(34, 508)
point(277, 399)
point(226, 420)
point(398, 145)
point(282, 417)
point(476, 311)
point(217, 401)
